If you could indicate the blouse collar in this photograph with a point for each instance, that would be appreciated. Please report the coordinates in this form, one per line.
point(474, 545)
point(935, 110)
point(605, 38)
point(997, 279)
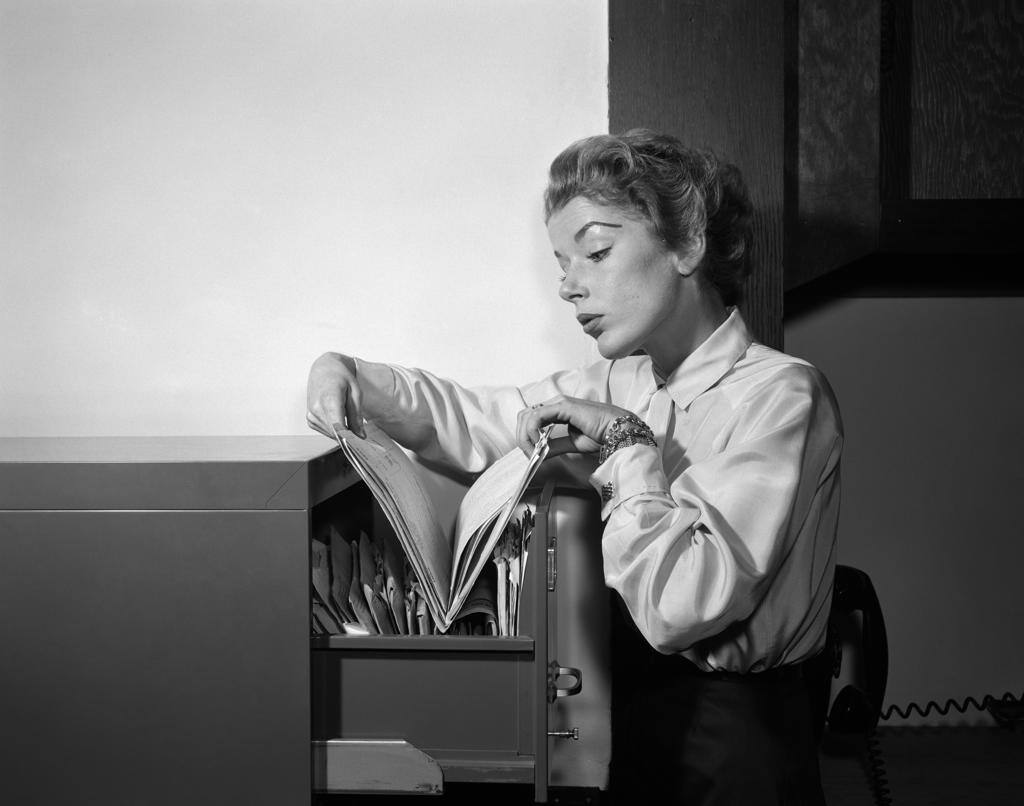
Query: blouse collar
point(710, 362)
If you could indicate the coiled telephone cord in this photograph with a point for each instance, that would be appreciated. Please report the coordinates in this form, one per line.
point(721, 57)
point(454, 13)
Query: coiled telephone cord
point(1004, 716)
point(1007, 711)
point(877, 776)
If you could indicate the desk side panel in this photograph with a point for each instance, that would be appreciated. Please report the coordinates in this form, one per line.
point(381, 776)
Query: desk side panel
point(154, 486)
point(157, 657)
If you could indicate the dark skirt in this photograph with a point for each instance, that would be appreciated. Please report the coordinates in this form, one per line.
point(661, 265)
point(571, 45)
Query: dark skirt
point(683, 736)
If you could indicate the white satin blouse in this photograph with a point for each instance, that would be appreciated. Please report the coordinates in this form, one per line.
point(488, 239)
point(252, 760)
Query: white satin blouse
point(722, 540)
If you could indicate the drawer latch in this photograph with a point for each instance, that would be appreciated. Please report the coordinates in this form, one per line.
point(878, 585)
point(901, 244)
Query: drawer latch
point(552, 562)
point(555, 686)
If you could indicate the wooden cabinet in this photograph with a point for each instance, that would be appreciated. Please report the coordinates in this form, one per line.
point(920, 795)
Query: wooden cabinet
point(952, 128)
point(868, 131)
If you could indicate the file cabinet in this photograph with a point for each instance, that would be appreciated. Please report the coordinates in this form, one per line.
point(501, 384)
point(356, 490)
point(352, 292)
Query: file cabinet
point(459, 708)
point(155, 622)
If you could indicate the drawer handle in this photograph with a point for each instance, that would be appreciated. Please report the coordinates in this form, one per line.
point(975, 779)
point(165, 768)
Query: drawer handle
point(573, 734)
point(555, 672)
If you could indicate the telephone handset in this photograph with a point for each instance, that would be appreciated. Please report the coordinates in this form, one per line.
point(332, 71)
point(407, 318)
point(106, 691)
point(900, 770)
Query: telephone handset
point(857, 707)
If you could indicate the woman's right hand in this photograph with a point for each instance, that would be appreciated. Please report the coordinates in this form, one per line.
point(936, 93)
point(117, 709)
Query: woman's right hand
point(332, 395)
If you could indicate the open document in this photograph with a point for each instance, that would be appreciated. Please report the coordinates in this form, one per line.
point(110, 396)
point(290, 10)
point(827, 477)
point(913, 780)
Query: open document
point(445, 566)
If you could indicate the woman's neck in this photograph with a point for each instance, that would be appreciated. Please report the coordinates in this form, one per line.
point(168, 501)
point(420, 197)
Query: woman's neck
point(696, 323)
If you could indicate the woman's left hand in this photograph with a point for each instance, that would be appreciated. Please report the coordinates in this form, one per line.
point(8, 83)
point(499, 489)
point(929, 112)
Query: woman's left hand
point(586, 419)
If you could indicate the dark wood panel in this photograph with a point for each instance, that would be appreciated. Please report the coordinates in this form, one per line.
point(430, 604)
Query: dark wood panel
point(838, 175)
point(911, 275)
point(713, 75)
point(896, 49)
point(967, 125)
point(938, 226)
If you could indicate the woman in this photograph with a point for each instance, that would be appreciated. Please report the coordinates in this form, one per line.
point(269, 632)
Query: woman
point(717, 461)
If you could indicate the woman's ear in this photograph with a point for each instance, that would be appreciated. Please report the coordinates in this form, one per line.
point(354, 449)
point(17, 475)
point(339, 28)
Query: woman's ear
point(688, 258)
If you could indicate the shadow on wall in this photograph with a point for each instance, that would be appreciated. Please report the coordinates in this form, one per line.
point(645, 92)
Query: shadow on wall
point(929, 388)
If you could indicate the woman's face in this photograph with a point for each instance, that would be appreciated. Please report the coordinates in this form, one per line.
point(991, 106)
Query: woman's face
point(629, 289)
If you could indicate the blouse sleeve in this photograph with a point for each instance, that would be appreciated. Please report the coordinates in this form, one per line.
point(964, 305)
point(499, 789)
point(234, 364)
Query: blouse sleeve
point(691, 557)
point(465, 429)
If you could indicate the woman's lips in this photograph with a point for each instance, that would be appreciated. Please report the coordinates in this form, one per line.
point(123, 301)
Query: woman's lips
point(591, 324)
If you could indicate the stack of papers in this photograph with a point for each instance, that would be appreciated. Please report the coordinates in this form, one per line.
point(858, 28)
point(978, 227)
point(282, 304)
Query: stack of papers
point(430, 580)
point(510, 556)
point(362, 587)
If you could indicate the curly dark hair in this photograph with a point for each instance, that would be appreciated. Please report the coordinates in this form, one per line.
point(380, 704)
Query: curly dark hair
point(683, 192)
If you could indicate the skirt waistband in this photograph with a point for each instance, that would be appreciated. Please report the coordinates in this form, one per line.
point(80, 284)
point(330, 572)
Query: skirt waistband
point(633, 652)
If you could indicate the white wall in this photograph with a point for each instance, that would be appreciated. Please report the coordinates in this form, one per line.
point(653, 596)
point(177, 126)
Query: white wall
point(200, 196)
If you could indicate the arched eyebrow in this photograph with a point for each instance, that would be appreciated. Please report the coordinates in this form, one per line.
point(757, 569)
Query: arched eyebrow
point(583, 230)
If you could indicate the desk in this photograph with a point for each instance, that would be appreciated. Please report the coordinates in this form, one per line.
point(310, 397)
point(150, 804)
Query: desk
point(154, 618)
point(155, 631)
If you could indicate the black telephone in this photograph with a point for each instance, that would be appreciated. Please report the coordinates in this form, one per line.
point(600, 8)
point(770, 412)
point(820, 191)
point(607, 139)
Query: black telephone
point(857, 706)
point(855, 618)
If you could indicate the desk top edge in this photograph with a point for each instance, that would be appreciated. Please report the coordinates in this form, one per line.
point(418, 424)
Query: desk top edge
point(163, 449)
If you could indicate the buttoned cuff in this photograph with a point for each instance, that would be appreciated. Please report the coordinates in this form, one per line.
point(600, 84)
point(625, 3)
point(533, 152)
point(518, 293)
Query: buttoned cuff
point(631, 471)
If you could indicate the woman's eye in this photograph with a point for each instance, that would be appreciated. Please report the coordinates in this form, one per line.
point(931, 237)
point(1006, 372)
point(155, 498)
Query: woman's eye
point(599, 255)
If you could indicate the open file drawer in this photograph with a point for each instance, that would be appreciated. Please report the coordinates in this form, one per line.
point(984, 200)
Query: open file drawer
point(407, 713)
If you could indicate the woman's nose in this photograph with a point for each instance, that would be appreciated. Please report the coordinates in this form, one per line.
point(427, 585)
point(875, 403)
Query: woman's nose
point(571, 288)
